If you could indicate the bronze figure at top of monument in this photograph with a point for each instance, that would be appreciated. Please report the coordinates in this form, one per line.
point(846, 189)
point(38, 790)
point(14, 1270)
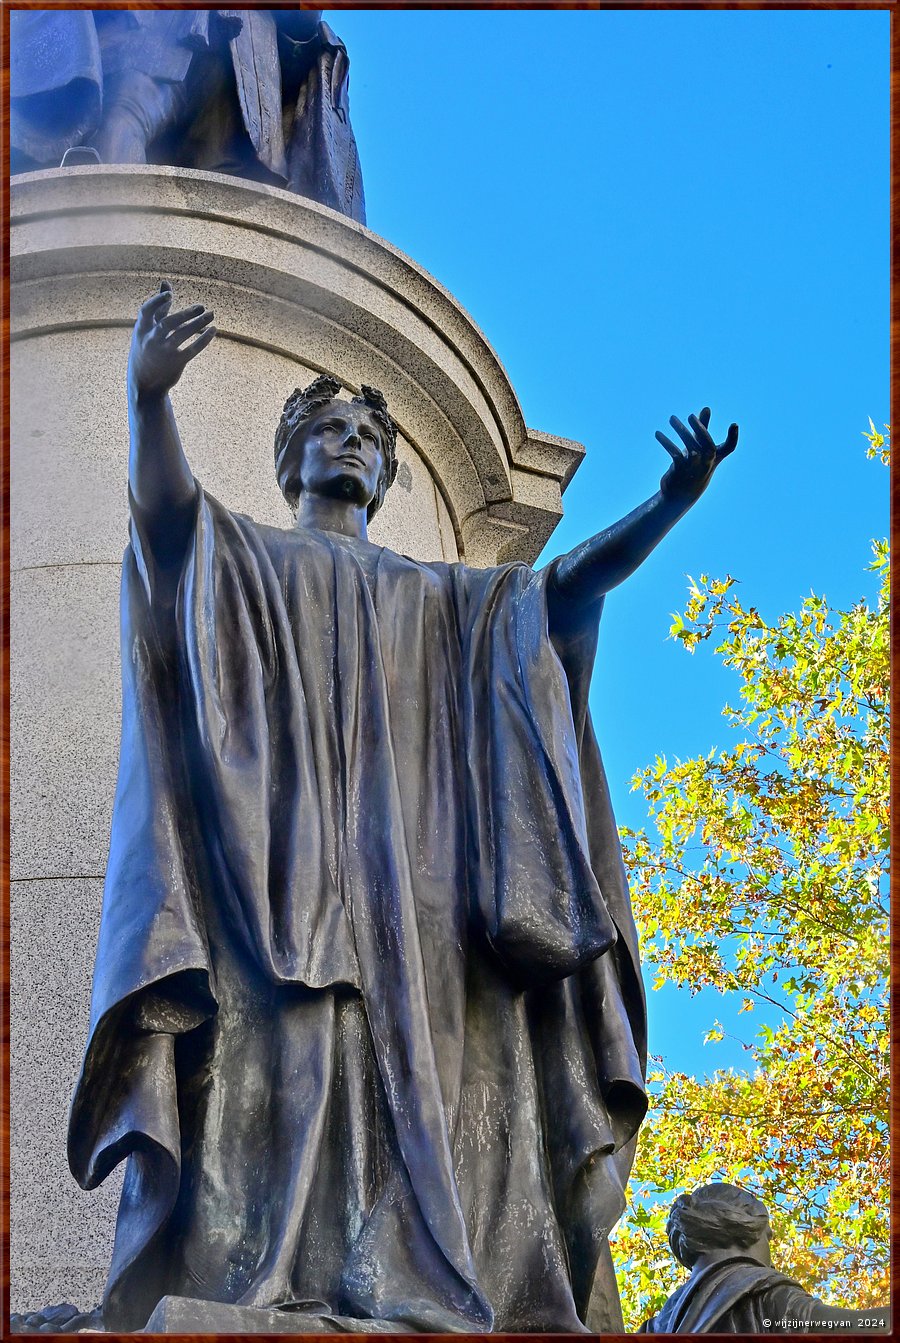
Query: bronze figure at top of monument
point(258, 93)
point(367, 1020)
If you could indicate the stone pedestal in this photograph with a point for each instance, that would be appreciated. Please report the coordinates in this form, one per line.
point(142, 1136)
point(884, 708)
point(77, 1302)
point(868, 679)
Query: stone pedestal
point(297, 290)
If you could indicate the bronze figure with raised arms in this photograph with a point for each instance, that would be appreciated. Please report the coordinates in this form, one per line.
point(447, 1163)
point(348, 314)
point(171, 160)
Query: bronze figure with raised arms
point(367, 1021)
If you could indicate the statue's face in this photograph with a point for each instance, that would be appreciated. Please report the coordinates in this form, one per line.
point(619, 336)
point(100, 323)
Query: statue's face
point(339, 454)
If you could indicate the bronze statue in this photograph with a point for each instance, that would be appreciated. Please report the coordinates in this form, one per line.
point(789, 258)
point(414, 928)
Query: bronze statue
point(258, 93)
point(722, 1234)
point(367, 1021)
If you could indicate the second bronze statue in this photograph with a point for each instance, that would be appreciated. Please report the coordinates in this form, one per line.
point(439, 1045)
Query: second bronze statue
point(256, 93)
point(367, 1021)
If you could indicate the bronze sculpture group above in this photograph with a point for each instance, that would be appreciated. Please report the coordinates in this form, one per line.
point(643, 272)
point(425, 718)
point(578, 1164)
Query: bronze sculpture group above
point(257, 93)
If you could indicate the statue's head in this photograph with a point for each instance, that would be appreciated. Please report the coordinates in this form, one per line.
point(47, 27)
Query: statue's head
point(326, 444)
point(718, 1217)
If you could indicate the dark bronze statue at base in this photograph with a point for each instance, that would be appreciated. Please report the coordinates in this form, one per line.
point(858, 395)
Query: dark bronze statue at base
point(367, 1022)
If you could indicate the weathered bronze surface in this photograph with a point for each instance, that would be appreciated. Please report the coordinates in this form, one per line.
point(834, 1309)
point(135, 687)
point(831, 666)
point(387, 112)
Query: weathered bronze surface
point(257, 93)
point(722, 1234)
point(367, 1019)
point(61, 1319)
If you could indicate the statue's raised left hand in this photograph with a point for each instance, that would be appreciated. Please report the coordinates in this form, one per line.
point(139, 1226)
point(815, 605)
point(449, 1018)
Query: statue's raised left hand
point(159, 354)
point(693, 466)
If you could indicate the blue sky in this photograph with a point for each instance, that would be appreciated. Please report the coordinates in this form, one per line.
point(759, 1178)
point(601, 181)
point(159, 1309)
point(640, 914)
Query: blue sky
point(646, 212)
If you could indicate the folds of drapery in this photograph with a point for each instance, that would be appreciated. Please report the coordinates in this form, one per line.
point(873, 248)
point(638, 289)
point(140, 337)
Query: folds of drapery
point(714, 1293)
point(322, 157)
point(292, 94)
point(55, 82)
point(284, 711)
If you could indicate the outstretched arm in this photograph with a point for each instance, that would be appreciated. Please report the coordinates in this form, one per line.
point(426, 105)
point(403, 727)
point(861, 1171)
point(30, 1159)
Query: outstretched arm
point(583, 576)
point(162, 485)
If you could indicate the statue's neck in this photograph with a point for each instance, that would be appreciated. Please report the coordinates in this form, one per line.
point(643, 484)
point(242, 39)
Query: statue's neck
point(332, 515)
point(760, 1250)
point(719, 1255)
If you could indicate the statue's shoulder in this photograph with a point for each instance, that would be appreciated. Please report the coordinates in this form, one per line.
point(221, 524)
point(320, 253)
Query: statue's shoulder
point(264, 530)
point(230, 525)
point(713, 1294)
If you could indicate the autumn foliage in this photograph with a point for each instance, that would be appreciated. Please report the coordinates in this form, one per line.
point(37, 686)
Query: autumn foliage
point(767, 878)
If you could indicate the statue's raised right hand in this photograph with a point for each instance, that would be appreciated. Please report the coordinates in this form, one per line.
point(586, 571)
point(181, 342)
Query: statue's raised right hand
point(159, 354)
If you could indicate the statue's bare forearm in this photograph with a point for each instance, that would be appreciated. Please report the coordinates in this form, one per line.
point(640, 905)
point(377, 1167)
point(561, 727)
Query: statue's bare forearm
point(589, 571)
point(599, 564)
point(162, 484)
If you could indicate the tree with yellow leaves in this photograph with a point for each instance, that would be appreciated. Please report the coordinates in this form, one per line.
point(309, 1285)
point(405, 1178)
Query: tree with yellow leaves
point(767, 878)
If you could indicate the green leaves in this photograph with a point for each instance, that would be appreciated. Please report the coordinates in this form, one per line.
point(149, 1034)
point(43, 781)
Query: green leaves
point(879, 444)
point(764, 874)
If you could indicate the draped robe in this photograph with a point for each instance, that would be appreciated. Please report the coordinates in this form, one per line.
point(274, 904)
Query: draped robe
point(740, 1296)
point(367, 1019)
